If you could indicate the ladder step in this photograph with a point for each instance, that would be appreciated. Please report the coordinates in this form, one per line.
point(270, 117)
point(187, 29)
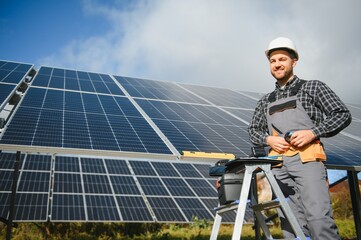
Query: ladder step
point(267, 205)
point(228, 207)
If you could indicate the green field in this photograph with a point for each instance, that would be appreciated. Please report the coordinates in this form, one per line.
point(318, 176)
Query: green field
point(141, 231)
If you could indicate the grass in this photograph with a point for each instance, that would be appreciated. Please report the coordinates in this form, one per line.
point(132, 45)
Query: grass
point(199, 230)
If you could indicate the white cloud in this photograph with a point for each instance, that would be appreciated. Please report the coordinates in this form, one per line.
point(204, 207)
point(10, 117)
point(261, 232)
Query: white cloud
point(221, 43)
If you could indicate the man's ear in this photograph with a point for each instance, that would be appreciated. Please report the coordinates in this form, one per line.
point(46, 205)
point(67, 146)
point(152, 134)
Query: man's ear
point(294, 62)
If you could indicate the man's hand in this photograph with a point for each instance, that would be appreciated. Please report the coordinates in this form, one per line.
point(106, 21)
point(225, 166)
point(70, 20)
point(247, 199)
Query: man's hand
point(302, 137)
point(278, 143)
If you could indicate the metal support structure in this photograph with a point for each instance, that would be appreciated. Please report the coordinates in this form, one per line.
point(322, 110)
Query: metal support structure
point(254, 200)
point(13, 196)
point(355, 199)
point(250, 169)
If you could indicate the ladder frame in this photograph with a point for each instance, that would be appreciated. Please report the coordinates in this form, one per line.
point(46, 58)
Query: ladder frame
point(250, 169)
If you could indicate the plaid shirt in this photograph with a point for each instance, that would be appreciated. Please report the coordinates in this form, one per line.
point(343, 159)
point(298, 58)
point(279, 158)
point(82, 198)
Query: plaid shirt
point(328, 113)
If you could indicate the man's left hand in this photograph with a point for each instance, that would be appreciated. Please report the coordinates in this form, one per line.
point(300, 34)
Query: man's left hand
point(301, 138)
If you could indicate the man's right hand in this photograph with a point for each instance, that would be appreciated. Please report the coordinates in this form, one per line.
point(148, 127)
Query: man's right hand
point(277, 143)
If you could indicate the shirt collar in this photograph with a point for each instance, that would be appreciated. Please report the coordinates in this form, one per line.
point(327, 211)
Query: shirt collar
point(289, 84)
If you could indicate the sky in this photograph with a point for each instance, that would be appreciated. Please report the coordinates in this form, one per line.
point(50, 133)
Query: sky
point(204, 42)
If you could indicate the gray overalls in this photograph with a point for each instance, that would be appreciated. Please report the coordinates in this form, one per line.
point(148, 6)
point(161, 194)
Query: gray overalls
point(303, 183)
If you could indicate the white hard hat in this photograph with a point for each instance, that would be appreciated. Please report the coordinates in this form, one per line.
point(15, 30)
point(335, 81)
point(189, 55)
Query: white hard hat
point(281, 43)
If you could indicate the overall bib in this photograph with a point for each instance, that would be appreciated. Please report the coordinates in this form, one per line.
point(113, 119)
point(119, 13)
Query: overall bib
point(302, 175)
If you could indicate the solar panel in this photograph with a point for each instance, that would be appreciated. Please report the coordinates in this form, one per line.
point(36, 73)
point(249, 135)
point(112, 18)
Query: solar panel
point(157, 90)
point(134, 209)
point(68, 208)
point(100, 189)
point(198, 128)
point(223, 97)
point(342, 152)
point(87, 119)
point(102, 208)
point(166, 210)
point(11, 72)
point(178, 187)
point(11, 75)
point(355, 127)
point(193, 207)
point(5, 91)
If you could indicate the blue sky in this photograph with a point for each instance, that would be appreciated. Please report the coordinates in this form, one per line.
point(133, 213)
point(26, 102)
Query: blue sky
point(206, 42)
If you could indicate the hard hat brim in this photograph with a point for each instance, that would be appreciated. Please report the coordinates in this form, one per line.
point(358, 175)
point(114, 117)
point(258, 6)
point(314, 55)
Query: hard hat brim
point(289, 50)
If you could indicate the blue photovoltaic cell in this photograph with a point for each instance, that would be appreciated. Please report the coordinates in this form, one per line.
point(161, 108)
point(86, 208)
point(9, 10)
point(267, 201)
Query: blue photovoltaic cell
point(35, 98)
point(152, 186)
point(178, 187)
point(203, 169)
point(67, 183)
point(165, 209)
point(165, 169)
point(5, 91)
point(133, 209)
point(101, 208)
point(96, 184)
point(342, 151)
point(92, 165)
point(34, 182)
point(49, 129)
point(157, 90)
point(254, 95)
point(227, 217)
point(223, 97)
point(4, 204)
point(7, 160)
point(192, 207)
point(67, 208)
point(124, 185)
point(202, 188)
point(31, 207)
point(245, 115)
point(37, 162)
point(11, 74)
point(117, 166)
point(14, 73)
point(66, 164)
point(17, 133)
point(142, 168)
point(187, 170)
point(76, 80)
point(355, 127)
point(6, 180)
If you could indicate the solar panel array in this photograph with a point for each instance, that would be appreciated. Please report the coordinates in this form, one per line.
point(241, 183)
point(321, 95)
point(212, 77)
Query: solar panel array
point(140, 122)
point(74, 109)
point(69, 188)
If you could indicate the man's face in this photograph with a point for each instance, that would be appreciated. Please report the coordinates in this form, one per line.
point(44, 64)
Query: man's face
point(281, 65)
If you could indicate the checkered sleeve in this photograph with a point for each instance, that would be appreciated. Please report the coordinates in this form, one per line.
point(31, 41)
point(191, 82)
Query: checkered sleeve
point(336, 116)
point(258, 129)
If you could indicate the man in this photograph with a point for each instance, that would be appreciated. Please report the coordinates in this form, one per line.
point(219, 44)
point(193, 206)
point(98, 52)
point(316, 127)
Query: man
point(291, 120)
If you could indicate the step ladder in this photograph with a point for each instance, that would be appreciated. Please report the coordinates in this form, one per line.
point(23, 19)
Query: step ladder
point(251, 166)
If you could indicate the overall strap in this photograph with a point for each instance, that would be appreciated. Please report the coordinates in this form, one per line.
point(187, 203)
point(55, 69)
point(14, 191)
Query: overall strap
point(293, 92)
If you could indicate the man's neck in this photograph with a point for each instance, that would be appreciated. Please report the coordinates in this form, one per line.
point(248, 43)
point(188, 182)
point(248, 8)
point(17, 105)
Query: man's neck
point(283, 82)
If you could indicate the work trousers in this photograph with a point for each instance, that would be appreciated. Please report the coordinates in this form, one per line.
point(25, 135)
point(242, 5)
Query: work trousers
point(305, 186)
